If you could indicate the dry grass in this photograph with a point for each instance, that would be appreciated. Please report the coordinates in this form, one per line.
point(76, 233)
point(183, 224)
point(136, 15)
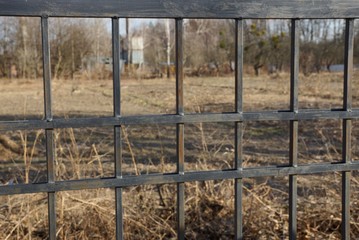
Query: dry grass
point(150, 211)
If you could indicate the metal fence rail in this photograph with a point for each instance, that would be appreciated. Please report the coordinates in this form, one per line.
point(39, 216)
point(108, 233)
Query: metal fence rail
point(179, 9)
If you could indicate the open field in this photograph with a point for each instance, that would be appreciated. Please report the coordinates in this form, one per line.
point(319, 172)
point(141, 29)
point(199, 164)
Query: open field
point(150, 211)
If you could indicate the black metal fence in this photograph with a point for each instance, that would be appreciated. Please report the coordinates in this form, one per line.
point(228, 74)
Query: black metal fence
point(178, 10)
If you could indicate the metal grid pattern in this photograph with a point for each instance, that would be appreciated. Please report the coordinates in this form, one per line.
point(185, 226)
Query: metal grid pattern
point(293, 10)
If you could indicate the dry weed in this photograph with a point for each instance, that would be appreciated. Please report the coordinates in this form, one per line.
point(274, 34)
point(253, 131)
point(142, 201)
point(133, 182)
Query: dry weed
point(150, 211)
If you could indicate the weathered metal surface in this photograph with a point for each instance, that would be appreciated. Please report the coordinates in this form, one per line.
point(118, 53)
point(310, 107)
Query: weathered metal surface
point(174, 119)
point(293, 131)
point(180, 130)
point(183, 8)
point(50, 148)
point(347, 125)
point(238, 135)
point(170, 178)
point(117, 129)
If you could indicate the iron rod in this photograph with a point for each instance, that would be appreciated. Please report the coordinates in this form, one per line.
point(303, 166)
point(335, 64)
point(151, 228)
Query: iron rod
point(118, 190)
point(116, 66)
point(293, 138)
point(178, 9)
point(175, 118)
point(117, 129)
point(180, 130)
point(172, 178)
point(238, 191)
point(347, 125)
point(50, 148)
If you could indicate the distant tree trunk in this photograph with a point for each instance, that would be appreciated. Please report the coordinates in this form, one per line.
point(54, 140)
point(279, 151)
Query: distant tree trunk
point(168, 36)
point(256, 71)
point(59, 62)
point(72, 59)
point(24, 37)
point(257, 68)
point(129, 55)
point(35, 58)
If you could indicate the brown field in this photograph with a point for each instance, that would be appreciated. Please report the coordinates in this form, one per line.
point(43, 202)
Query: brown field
point(150, 211)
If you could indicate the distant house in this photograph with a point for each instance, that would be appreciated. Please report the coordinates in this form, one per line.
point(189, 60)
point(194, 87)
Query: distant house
point(124, 49)
point(90, 63)
point(135, 57)
point(137, 46)
point(133, 53)
point(337, 68)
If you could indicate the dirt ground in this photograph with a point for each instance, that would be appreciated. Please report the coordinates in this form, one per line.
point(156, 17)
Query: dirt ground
point(150, 210)
point(23, 99)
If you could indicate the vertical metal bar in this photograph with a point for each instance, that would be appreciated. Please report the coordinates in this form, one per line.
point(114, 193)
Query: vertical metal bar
point(293, 141)
point(294, 71)
point(46, 67)
point(238, 128)
point(348, 64)
point(118, 191)
point(116, 66)
point(179, 67)
point(180, 186)
point(51, 197)
point(347, 125)
point(117, 129)
point(180, 129)
point(50, 153)
point(239, 66)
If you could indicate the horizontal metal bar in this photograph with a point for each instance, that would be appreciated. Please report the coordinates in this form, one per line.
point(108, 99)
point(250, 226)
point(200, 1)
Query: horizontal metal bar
point(183, 8)
point(173, 119)
point(171, 178)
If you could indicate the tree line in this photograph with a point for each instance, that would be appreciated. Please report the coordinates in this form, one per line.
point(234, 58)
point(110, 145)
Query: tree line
point(78, 46)
point(72, 41)
point(267, 44)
